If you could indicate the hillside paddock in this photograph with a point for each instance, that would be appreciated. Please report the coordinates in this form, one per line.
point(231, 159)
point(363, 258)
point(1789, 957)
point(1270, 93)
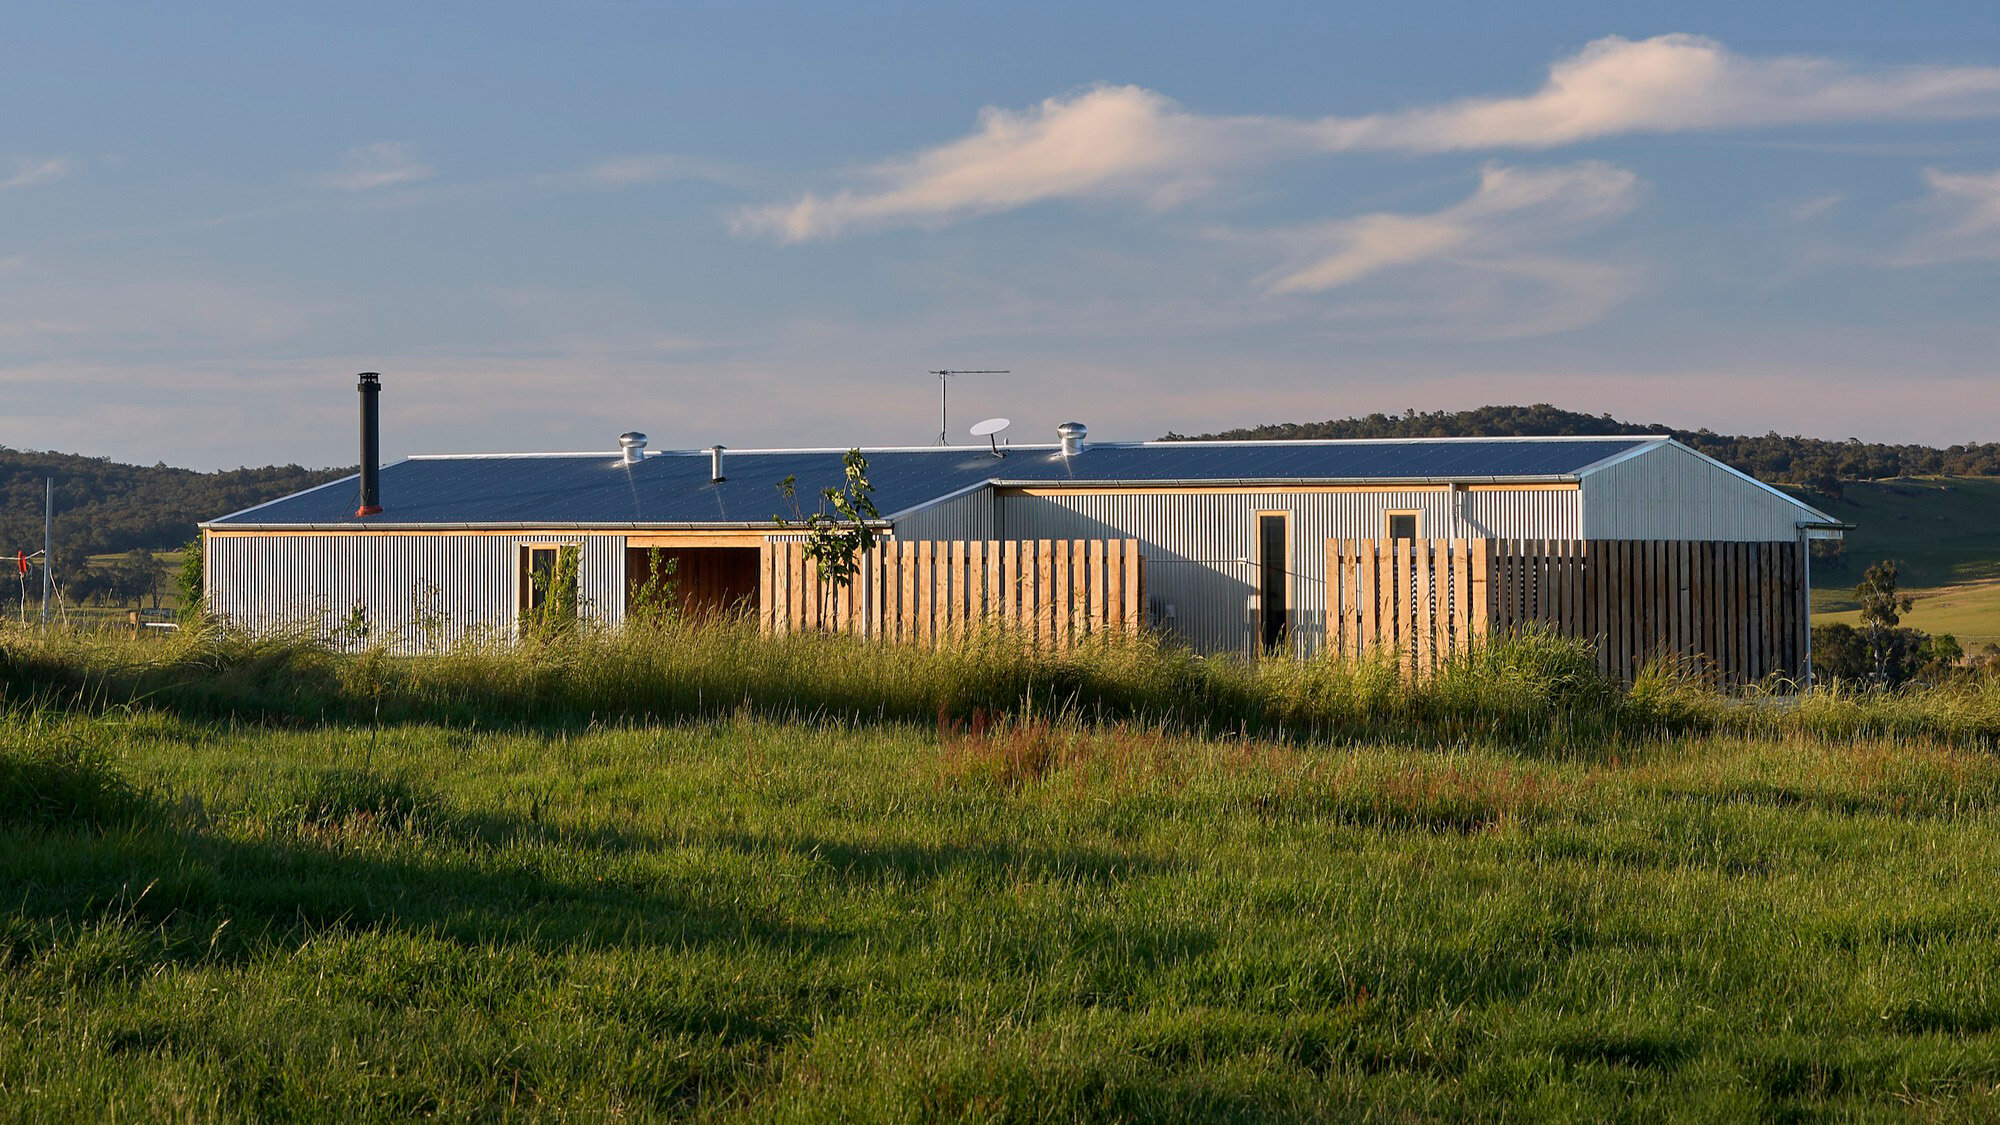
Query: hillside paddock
point(811, 880)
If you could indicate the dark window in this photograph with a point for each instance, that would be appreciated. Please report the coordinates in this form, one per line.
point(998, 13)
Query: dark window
point(1402, 525)
point(1271, 584)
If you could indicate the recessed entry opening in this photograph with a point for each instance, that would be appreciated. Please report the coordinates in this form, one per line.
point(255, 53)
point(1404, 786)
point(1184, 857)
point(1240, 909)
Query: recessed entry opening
point(703, 583)
point(1273, 580)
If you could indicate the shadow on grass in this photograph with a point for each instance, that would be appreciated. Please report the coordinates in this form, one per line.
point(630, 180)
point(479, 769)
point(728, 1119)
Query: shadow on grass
point(363, 853)
point(189, 895)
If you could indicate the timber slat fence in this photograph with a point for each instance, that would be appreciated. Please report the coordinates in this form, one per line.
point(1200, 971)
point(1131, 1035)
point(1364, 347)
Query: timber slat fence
point(1054, 591)
point(1735, 611)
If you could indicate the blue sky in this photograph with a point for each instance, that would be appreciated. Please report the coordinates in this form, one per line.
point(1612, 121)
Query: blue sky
point(762, 224)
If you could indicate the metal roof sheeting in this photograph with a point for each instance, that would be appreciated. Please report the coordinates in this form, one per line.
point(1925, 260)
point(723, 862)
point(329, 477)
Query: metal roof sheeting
point(673, 488)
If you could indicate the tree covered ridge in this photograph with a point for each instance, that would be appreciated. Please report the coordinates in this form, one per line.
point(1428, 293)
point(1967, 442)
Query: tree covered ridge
point(104, 507)
point(1813, 463)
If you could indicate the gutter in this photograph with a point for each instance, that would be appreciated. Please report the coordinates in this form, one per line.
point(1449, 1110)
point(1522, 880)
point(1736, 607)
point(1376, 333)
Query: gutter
point(541, 525)
point(1384, 483)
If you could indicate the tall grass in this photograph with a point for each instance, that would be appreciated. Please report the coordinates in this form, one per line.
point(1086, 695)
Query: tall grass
point(1526, 690)
point(56, 773)
point(1010, 919)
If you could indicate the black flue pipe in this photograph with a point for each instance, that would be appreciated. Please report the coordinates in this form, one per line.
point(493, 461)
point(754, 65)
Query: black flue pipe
point(370, 387)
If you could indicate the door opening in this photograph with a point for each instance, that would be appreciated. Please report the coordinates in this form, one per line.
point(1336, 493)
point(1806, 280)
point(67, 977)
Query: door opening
point(1273, 585)
point(702, 583)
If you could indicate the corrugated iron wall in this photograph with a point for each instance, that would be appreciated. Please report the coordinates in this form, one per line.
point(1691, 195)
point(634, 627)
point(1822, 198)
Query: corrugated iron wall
point(1671, 493)
point(418, 593)
point(968, 517)
point(1201, 547)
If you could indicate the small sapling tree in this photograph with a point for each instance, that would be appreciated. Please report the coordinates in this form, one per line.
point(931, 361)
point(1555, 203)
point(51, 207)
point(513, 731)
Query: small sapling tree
point(1882, 609)
point(837, 538)
point(188, 581)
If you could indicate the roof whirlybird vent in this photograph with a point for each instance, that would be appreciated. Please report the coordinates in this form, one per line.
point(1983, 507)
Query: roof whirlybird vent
point(1072, 435)
point(632, 443)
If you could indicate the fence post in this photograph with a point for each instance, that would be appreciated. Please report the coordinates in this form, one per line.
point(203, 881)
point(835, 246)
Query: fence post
point(1332, 593)
point(766, 570)
point(1135, 588)
point(1423, 646)
point(1482, 591)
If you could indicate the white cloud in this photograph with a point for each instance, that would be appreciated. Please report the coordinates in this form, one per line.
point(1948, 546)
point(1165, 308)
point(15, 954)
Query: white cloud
point(1130, 142)
point(28, 172)
point(1671, 83)
point(1104, 141)
point(1511, 207)
point(382, 164)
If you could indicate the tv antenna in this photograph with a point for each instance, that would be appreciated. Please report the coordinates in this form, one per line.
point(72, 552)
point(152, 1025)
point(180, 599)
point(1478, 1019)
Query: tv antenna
point(944, 399)
point(987, 429)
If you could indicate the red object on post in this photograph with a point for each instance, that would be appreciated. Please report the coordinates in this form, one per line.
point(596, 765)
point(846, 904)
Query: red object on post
point(21, 557)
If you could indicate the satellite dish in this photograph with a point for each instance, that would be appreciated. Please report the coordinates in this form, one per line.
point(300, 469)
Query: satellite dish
point(987, 429)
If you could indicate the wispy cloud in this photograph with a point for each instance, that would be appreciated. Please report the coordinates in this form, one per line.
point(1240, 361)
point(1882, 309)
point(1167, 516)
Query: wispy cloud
point(1969, 205)
point(1819, 206)
point(28, 172)
point(1511, 207)
point(1130, 142)
point(650, 168)
point(382, 164)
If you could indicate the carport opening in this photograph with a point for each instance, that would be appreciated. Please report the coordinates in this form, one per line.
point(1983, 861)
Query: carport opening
point(702, 583)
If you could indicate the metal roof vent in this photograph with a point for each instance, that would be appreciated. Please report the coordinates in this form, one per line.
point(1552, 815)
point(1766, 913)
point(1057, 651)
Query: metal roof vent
point(633, 445)
point(715, 463)
point(1072, 435)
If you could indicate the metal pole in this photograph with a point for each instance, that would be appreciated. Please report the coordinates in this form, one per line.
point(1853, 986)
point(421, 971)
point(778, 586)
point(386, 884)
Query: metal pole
point(1805, 577)
point(944, 399)
point(48, 545)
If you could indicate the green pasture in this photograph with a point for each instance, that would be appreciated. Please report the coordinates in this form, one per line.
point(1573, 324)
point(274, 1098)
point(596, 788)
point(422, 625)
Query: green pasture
point(230, 895)
point(1943, 532)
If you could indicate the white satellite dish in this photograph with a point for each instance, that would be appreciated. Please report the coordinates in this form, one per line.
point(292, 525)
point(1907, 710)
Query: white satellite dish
point(988, 428)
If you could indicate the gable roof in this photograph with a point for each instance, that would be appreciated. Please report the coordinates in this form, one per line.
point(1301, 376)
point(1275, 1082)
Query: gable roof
point(672, 488)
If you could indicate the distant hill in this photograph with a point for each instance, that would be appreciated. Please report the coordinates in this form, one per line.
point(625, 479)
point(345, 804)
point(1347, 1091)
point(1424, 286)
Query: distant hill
point(1944, 532)
point(1815, 464)
point(104, 507)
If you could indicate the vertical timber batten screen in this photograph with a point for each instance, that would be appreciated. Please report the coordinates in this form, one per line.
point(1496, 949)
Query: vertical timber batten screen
point(1053, 591)
point(1737, 612)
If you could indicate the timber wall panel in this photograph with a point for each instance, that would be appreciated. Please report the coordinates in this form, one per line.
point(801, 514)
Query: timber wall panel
point(1733, 612)
point(1055, 592)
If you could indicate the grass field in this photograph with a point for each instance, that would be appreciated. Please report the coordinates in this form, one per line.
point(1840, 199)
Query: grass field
point(1944, 533)
point(732, 915)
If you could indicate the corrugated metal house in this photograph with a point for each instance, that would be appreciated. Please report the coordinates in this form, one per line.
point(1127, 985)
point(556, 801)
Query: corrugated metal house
point(1233, 534)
